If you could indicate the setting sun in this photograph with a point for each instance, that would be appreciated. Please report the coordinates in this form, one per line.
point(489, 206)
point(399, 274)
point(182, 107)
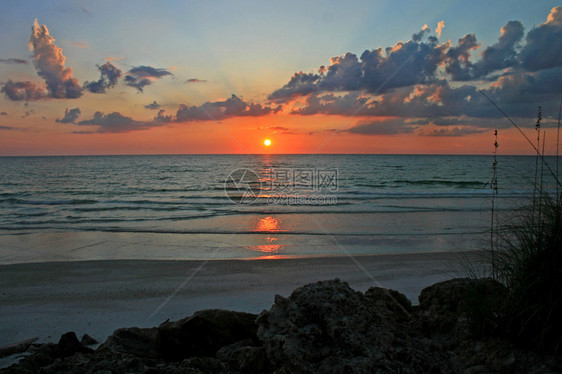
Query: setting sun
point(267, 142)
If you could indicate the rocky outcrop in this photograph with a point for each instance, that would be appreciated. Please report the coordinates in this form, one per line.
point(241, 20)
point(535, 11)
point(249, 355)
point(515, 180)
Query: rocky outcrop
point(88, 340)
point(460, 308)
point(203, 333)
point(133, 341)
point(325, 327)
point(69, 345)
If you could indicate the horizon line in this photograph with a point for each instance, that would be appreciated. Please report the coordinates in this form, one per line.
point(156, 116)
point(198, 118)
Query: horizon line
point(277, 154)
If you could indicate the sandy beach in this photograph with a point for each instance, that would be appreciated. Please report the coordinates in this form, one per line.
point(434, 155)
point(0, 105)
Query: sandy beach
point(46, 300)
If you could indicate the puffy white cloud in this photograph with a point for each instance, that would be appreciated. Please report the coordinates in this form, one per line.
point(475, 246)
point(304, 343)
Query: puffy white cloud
point(23, 91)
point(50, 64)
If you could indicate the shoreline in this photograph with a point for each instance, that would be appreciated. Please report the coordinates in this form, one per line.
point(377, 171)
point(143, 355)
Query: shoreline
point(97, 297)
point(444, 254)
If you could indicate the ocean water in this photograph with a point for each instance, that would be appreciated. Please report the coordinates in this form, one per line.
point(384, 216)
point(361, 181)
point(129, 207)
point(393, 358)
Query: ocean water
point(251, 206)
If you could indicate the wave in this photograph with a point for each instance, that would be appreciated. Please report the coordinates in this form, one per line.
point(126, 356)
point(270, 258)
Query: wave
point(441, 182)
point(258, 233)
point(48, 202)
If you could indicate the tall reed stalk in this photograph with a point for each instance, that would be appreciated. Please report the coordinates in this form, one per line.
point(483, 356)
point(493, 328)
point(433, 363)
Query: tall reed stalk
point(493, 225)
point(538, 130)
point(527, 258)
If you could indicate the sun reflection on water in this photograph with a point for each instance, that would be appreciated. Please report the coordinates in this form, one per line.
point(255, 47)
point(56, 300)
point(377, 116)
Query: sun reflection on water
point(268, 225)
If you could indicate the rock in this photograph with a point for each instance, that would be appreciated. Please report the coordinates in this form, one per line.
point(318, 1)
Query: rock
point(69, 345)
point(133, 340)
point(394, 305)
point(243, 357)
point(204, 333)
point(207, 365)
point(88, 340)
point(43, 356)
point(327, 327)
point(19, 347)
point(462, 306)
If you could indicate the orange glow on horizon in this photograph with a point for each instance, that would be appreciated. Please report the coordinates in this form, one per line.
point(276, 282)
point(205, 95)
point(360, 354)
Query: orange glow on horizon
point(299, 135)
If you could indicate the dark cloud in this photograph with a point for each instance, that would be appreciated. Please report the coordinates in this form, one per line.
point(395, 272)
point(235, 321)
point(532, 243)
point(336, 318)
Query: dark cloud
point(502, 54)
point(422, 61)
point(299, 84)
point(445, 121)
point(520, 94)
point(375, 71)
point(544, 49)
point(218, 110)
point(50, 64)
point(70, 116)
point(391, 127)
point(13, 61)
point(421, 101)
point(154, 105)
point(403, 65)
point(441, 104)
point(23, 91)
point(195, 80)
point(453, 131)
point(141, 76)
point(351, 104)
point(115, 123)
point(458, 63)
point(6, 128)
point(398, 126)
point(423, 98)
point(109, 75)
point(3, 113)
point(419, 36)
point(161, 117)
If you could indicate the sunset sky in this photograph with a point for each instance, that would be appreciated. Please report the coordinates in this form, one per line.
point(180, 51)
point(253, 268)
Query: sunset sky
point(175, 77)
